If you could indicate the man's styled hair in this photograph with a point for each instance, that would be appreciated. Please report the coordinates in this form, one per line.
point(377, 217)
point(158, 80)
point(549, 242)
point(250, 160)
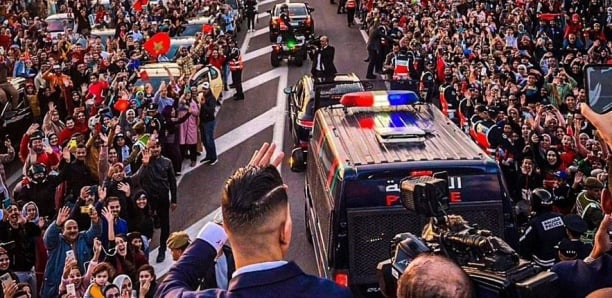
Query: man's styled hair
point(434, 276)
point(251, 196)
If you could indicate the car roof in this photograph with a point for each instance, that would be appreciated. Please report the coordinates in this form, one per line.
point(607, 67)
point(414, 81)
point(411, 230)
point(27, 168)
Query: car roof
point(200, 20)
point(293, 4)
point(59, 16)
point(182, 40)
point(103, 32)
point(157, 69)
point(360, 146)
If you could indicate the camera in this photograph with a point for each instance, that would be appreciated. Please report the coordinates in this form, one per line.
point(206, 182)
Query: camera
point(495, 269)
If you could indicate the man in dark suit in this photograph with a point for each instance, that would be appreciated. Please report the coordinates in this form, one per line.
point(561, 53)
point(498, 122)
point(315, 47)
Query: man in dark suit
point(323, 61)
point(257, 220)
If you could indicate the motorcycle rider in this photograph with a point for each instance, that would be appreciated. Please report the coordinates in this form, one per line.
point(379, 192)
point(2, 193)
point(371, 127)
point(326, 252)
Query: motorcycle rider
point(286, 30)
point(39, 187)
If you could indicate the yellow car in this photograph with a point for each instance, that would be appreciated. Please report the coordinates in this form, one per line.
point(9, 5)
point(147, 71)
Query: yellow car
point(209, 74)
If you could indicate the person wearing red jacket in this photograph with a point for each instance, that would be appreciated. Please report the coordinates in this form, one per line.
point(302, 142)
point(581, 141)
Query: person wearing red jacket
point(216, 59)
point(32, 150)
point(96, 87)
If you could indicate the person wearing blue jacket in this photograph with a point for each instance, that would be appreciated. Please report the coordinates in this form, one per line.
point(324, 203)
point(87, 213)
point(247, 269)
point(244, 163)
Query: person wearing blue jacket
point(257, 219)
point(64, 236)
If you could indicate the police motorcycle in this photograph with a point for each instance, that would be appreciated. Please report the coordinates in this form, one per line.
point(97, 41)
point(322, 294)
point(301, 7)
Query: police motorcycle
point(293, 49)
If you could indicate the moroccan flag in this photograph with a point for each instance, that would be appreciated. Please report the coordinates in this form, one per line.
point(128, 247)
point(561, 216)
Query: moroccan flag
point(207, 29)
point(158, 44)
point(139, 4)
point(122, 105)
point(144, 76)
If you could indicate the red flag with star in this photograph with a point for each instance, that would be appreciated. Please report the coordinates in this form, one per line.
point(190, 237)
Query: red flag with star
point(158, 44)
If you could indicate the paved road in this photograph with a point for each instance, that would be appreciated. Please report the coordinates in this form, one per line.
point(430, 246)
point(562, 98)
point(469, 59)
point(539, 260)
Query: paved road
point(243, 126)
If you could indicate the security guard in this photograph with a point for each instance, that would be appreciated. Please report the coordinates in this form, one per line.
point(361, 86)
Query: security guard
point(572, 248)
point(389, 64)
point(403, 64)
point(235, 66)
point(351, 7)
point(448, 98)
point(589, 208)
point(545, 230)
point(428, 81)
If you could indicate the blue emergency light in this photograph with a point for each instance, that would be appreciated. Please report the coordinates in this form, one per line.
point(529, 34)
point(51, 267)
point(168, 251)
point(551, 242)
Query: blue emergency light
point(379, 98)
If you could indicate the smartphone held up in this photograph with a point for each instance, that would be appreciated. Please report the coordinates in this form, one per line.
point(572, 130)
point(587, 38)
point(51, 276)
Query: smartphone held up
point(598, 82)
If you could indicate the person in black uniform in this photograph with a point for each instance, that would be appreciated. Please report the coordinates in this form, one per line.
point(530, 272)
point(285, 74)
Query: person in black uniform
point(235, 66)
point(544, 231)
point(375, 51)
point(571, 248)
point(323, 61)
point(428, 81)
point(251, 12)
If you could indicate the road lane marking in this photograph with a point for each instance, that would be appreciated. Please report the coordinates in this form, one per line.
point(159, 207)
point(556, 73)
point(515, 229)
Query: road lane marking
point(259, 52)
point(224, 143)
point(281, 101)
point(273, 117)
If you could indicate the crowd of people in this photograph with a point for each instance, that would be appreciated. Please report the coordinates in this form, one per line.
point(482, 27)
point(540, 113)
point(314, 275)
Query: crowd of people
point(511, 74)
point(101, 159)
point(102, 156)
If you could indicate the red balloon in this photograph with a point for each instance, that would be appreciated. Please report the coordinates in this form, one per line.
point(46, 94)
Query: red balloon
point(122, 105)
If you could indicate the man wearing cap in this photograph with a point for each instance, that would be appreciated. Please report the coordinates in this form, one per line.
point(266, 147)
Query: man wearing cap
point(152, 119)
point(545, 230)
point(588, 206)
point(577, 278)
point(564, 196)
point(32, 150)
point(572, 248)
point(207, 124)
point(177, 243)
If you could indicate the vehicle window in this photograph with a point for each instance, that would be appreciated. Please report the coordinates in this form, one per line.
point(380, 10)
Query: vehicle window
point(59, 25)
point(330, 94)
point(191, 29)
point(154, 81)
point(213, 73)
point(297, 11)
point(380, 191)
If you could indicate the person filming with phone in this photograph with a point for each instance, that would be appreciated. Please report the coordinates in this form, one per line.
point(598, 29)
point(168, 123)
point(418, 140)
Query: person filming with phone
point(578, 278)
